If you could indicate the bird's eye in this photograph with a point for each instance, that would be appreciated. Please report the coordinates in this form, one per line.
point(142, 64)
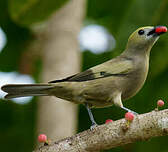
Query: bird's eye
point(141, 32)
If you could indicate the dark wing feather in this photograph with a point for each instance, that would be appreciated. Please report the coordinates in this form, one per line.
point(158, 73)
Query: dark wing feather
point(89, 75)
point(86, 76)
point(62, 80)
point(83, 76)
point(115, 67)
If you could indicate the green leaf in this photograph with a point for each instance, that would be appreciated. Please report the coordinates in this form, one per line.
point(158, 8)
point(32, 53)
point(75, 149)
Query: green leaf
point(28, 12)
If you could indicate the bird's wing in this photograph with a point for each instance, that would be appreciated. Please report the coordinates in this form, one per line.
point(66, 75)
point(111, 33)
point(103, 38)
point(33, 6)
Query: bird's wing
point(115, 67)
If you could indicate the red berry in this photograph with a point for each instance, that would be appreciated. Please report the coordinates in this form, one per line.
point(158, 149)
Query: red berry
point(164, 29)
point(161, 29)
point(160, 103)
point(42, 138)
point(108, 121)
point(129, 116)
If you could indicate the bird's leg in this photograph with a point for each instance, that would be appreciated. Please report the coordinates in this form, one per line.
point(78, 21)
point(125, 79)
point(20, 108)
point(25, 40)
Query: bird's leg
point(118, 102)
point(94, 124)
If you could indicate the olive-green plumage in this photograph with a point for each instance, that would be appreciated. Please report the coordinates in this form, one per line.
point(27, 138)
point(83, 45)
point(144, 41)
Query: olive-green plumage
point(105, 84)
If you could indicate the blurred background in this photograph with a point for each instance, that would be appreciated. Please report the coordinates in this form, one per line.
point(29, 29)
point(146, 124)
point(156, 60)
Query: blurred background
point(46, 40)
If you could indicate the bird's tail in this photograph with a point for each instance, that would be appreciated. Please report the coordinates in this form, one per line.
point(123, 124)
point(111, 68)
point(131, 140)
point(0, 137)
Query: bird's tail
point(24, 90)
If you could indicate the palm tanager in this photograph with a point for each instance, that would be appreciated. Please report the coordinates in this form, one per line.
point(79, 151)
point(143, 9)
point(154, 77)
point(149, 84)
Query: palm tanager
point(103, 85)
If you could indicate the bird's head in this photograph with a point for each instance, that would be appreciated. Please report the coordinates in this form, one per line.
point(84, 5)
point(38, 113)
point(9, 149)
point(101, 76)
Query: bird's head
point(145, 37)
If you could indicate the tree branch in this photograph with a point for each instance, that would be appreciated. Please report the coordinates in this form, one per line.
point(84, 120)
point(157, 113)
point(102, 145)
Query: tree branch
point(113, 134)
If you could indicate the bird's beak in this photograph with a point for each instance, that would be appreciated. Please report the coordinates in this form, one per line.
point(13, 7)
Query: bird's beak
point(158, 30)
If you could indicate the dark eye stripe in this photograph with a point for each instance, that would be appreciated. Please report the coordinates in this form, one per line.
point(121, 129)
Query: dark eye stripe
point(151, 32)
point(141, 32)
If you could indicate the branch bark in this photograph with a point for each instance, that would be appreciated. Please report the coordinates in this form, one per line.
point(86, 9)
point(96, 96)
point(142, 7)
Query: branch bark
point(106, 136)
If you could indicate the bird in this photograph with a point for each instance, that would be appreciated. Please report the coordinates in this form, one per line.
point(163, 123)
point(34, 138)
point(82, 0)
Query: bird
point(103, 85)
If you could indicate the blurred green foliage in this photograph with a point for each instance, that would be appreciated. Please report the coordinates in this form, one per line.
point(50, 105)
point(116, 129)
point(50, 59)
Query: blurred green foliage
point(120, 18)
point(28, 12)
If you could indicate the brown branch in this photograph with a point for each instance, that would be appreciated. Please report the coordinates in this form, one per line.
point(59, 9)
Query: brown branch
point(106, 136)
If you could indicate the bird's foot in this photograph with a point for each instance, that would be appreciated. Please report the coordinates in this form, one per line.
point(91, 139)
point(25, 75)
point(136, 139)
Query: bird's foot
point(135, 113)
point(93, 126)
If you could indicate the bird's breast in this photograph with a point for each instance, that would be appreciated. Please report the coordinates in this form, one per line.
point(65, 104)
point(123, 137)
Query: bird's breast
point(136, 79)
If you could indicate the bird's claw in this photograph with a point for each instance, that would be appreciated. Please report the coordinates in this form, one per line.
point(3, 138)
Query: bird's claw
point(93, 126)
point(135, 113)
